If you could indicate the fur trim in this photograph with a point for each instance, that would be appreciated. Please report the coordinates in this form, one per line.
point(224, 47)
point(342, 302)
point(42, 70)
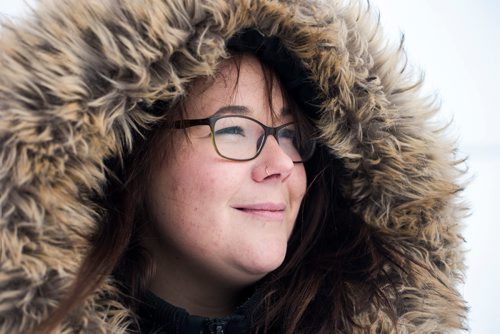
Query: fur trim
point(74, 73)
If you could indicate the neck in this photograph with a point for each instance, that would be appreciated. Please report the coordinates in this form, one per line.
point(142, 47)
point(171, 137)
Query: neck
point(186, 287)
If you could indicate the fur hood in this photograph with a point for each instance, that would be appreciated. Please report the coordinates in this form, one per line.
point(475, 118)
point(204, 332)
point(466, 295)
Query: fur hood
point(75, 73)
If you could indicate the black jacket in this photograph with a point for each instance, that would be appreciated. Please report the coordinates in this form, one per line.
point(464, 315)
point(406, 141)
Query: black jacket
point(155, 315)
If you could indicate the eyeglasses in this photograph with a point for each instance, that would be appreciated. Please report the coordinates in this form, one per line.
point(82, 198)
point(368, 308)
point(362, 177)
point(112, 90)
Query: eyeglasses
point(242, 138)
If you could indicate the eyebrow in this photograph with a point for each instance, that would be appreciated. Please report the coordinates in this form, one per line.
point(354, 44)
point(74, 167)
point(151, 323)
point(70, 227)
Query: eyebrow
point(232, 109)
point(237, 109)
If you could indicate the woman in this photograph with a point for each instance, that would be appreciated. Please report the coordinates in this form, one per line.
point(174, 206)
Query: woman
point(220, 167)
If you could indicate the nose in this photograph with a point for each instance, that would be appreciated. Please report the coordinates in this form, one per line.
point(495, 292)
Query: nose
point(273, 161)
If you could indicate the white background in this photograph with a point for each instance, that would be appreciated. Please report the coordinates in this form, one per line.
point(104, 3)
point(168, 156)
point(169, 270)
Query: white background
point(457, 44)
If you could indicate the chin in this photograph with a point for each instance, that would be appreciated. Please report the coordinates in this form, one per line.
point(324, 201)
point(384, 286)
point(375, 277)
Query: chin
point(264, 257)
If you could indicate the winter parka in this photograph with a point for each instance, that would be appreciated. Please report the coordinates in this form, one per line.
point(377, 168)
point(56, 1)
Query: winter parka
point(74, 76)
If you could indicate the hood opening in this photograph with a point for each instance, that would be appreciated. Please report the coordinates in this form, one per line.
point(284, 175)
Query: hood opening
point(294, 76)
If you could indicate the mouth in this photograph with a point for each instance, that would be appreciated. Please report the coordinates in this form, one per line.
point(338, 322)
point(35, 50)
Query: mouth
point(264, 211)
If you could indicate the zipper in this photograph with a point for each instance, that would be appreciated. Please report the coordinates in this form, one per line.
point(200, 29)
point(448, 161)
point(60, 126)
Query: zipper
point(216, 326)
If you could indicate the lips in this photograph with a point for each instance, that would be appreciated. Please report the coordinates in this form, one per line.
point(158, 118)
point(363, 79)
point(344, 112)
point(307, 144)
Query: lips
point(264, 211)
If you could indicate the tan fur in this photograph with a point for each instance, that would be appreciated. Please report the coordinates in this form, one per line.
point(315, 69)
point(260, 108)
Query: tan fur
point(73, 73)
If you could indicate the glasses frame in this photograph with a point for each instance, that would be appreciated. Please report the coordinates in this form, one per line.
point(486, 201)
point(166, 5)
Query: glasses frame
point(210, 121)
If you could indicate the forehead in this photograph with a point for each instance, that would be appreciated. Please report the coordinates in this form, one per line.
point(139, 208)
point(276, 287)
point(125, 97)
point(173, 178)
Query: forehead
point(241, 81)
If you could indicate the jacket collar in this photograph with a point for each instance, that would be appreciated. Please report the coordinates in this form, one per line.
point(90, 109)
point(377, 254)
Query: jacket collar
point(158, 316)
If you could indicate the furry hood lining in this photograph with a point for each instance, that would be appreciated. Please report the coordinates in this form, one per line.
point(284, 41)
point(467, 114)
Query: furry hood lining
point(75, 75)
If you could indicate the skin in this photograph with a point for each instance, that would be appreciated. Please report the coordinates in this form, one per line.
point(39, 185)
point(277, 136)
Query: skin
point(207, 244)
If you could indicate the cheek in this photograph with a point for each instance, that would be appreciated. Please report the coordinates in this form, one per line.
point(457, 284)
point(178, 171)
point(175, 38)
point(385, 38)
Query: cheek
point(297, 190)
point(187, 200)
point(172, 210)
point(299, 184)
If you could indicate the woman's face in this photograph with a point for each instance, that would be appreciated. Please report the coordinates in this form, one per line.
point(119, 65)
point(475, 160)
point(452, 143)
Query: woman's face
point(228, 220)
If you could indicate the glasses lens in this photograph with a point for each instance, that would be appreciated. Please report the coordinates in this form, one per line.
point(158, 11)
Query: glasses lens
point(237, 137)
point(296, 144)
point(240, 138)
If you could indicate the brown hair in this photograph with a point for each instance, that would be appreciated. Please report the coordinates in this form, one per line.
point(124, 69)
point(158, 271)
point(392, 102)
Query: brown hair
point(332, 252)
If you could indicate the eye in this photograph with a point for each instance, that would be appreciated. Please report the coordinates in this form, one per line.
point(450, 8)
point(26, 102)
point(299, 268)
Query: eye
point(230, 130)
point(288, 133)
